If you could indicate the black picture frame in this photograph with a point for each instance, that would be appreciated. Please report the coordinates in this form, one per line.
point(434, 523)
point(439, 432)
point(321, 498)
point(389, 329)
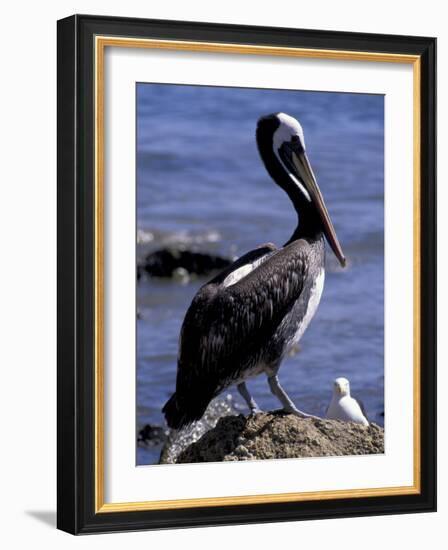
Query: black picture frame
point(76, 255)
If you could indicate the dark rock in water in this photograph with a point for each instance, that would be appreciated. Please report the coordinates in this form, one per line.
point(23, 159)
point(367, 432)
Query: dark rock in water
point(178, 441)
point(167, 261)
point(152, 435)
point(280, 435)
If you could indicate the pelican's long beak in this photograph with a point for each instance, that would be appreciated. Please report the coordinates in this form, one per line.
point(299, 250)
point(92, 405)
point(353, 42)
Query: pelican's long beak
point(305, 173)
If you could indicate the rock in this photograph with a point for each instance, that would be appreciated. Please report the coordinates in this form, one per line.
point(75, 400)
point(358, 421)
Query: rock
point(151, 435)
point(169, 262)
point(280, 435)
point(178, 441)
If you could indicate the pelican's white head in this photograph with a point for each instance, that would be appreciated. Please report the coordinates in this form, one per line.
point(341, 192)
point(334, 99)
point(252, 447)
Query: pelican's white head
point(341, 387)
point(288, 129)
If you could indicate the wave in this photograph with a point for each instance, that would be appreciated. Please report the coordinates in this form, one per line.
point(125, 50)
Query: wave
point(180, 237)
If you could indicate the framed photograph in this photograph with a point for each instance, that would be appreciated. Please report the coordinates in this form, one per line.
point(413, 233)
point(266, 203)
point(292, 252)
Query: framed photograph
point(246, 274)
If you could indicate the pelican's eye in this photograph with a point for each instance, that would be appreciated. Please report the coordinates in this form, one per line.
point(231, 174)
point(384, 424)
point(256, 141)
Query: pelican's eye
point(296, 142)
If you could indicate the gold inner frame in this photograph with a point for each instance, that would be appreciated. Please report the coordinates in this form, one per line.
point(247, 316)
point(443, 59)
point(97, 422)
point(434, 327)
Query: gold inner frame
point(101, 42)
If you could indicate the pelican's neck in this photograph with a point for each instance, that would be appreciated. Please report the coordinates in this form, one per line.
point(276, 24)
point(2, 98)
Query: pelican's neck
point(309, 225)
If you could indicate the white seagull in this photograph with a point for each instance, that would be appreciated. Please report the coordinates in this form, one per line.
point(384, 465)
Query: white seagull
point(343, 406)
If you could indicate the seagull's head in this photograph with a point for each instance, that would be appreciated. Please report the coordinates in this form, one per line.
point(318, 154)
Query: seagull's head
point(341, 387)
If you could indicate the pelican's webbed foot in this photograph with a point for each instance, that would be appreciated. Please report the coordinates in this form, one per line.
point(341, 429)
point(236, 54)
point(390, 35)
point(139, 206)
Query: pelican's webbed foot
point(288, 405)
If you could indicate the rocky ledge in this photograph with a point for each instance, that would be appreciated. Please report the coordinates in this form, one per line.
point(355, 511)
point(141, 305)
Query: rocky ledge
point(279, 435)
point(178, 262)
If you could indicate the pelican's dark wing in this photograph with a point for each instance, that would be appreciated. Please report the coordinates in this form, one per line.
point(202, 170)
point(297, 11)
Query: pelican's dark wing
point(252, 258)
point(226, 326)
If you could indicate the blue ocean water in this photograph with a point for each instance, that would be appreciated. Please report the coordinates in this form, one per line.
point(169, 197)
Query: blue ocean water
point(200, 182)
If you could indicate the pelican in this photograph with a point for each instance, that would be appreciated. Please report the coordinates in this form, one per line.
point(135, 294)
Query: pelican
point(243, 322)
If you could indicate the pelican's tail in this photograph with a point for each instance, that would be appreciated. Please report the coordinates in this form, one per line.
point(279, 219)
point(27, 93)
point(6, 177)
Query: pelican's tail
point(182, 413)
